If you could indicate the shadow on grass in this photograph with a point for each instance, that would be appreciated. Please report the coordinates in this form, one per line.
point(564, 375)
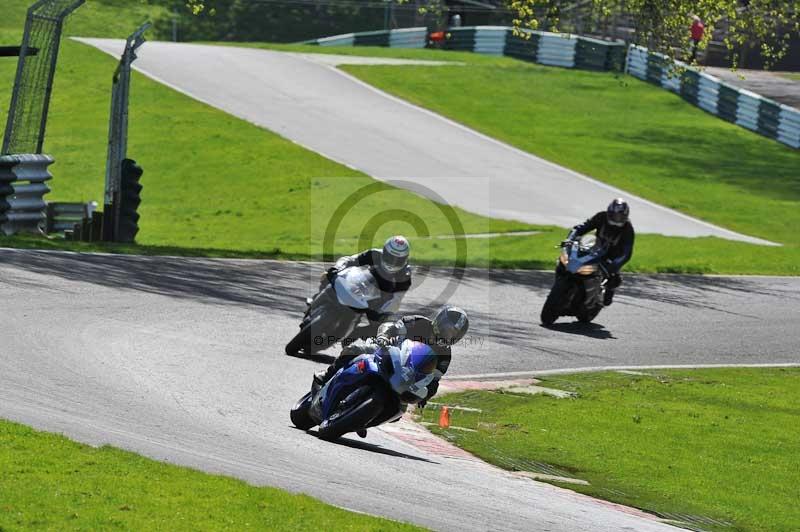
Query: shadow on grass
point(720, 157)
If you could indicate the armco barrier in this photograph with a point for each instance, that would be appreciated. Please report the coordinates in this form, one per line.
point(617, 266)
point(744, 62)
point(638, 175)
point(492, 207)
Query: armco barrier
point(408, 38)
point(22, 190)
point(64, 216)
point(555, 49)
point(740, 106)
point(489, 40)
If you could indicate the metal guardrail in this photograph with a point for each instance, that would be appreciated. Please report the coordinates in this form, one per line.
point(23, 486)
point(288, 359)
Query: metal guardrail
point(63, 217)
point(740, 106)
point(22, 191)
point(555, 49)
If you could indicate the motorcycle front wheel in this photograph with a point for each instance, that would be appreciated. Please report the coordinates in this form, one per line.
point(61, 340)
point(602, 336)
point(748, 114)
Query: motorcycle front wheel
point(299, 413)
point(353, 415)
point(550, 310)
point(586, 316)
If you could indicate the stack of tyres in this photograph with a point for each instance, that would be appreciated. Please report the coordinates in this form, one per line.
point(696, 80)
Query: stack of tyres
point(130, 199)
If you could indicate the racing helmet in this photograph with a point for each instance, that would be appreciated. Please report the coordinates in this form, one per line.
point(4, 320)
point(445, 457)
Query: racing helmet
point(450, 324)
point(395, 254)
point(618, 212)
point(418, 363)
point(420, 357)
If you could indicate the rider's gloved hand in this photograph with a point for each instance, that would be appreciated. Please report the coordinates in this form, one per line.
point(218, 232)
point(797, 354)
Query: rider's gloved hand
point(382, 341)
point(330, 273)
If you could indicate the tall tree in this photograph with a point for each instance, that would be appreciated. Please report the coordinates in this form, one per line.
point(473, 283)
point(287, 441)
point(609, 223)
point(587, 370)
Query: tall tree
point(663, 25)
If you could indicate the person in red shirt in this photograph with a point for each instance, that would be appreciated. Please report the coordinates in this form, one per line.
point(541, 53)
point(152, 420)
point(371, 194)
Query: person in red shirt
point(698, 29)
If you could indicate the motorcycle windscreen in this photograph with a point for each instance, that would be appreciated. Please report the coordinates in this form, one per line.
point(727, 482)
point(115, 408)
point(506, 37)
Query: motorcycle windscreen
point(392, 305)
point(356, 287)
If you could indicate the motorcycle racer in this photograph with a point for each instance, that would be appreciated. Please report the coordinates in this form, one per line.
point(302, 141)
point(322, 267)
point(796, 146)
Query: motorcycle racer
point(444, 329)
point(615, 232)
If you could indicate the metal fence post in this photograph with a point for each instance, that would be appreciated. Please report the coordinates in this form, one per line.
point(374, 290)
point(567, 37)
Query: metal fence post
point(118, 133)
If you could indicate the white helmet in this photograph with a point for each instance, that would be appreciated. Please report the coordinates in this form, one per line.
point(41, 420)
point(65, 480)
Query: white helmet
point(395, 254)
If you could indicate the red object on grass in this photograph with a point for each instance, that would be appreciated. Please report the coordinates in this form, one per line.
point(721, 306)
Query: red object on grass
point(437, 36)
point(697, 30)
point(444, 418)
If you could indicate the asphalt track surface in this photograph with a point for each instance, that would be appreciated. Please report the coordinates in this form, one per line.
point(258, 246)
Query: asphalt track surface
point(182, 360)
point(326, 110)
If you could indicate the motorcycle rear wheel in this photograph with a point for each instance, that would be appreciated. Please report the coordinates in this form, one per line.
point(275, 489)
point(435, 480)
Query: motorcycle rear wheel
point(354, 417)
point(299, 413)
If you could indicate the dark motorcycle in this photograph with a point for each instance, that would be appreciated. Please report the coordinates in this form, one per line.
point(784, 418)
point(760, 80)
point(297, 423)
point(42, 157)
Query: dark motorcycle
point(580, 282)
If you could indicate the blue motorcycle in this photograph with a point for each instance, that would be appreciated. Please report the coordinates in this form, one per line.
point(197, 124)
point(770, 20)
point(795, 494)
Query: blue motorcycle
point(371, 390)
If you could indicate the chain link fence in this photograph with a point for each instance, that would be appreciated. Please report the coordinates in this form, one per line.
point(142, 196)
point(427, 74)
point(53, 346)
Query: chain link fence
point(27, 116)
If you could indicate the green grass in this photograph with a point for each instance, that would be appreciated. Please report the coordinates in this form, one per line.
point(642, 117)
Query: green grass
point(641, 138)
point(791, 75)
point(622, 131)
point(49, 482)
point(721, 443)
point(214, 184)
point(96, 18)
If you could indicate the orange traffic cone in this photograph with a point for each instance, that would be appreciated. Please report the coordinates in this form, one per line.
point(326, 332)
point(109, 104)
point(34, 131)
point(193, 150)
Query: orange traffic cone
point(444, 418)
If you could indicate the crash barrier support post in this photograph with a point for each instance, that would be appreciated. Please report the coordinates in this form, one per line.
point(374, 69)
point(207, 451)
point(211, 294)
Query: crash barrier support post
point(22, 191)
point(739, 106)
point(118, 143)
point(15, 51)
point(555, 49)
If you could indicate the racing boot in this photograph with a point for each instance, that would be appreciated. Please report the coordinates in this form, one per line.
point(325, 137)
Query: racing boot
point(362, 433)
point(321, 377)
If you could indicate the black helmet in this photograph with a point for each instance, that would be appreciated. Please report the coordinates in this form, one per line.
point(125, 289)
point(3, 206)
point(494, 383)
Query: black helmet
point(395, 254)
point(618, 212)
point(450, 324)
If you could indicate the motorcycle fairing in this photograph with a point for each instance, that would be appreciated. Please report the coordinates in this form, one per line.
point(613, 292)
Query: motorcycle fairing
point(361, 369)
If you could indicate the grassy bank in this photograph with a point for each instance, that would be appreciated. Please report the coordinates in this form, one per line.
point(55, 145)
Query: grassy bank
point(720, 444)
point(96, 18)
point(622, 131)
point(214, 185)
point(49, 482)
point(641, 138)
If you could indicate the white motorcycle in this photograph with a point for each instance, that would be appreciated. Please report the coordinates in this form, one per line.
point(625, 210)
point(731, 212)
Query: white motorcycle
point(340, 307)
